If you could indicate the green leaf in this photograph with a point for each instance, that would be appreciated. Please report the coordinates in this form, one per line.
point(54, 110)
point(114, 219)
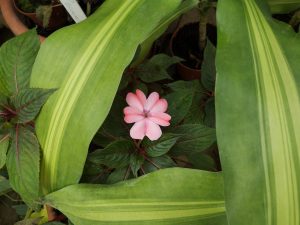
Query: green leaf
point(94, 55)
point(157, 163)
point(119, 175)
point(161, 146)
point(4, 143)
point(4, 186)
point(257, 111)
point(283, 6)
point(208, 67)
point(23, 162)
point(166, 197)
point(136, 161)
point(16, 60)
point(115, 155)
point(202, 162)
point(194, 138)
point(210, 113)
point(28, 103)
point(155, 69)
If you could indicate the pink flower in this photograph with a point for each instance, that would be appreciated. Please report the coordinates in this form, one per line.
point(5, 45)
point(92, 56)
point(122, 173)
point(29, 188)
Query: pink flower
point(147, 114)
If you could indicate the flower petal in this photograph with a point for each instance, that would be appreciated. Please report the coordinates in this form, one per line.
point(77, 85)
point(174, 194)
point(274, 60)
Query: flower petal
point(160, 106)
point(131, 111)
point(162, 116)
point(134, 101)
point(151, 100)
point(153, 131)
point(137, 131)
point(141, 96)
point(159, 121)
point(132, 118)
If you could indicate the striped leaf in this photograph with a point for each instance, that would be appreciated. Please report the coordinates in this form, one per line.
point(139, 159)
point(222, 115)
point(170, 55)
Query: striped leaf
point(85, 62)
point(166, 197)
point(258, 123)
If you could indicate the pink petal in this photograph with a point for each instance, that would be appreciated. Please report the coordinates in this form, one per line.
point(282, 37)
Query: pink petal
point(151, 100)
point(153, 131)
point(141, 96)
point(130, 110)
point(160, 106)
point(132, 118)
point(162, 116)
point(134, 101)
point(137, 131)
point(159, 121)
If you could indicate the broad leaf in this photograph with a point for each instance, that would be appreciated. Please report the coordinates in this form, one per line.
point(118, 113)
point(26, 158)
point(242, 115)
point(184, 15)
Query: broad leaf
point(28, 103)
point(4, 186)
point(23, 164)
point(115, 155)
point(167, 197)
point(257, 106)
point(155, 69)
point(194, 138)
point(16, 60)
point(157, 163)
point(161, 146)
point(4, 143)
point(94, 55)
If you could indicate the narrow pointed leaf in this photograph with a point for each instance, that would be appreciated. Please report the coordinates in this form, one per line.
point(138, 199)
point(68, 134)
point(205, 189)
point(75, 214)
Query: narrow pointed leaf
point(23, 164)
point(258, 108)
point(16, 59)
point(166, 197)
point(94, 55)
point(28, 103)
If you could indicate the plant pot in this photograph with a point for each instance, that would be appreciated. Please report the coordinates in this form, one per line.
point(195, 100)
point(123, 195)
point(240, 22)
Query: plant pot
point(58, 18)
point(184, 44)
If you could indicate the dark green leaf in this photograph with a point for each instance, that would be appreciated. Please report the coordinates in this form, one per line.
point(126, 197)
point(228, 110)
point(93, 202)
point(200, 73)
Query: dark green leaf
point(23, 164)
point(28, 103)
point(115, 155)
point(155, 69)
point(119, 175)
point(4, 186)
point(202, 162)
point(16, 60)
point(194, 138)
point(21, 209)
point(136, 161)
point(4, 143)
point(161, 162)
point(161, 146)
point(210, 114)
point(208, 68)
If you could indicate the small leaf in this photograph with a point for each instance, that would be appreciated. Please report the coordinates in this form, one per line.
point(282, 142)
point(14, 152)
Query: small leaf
point(119, 175)
point(136, 161)
point(161, 162)
point(28, 103)
point(115, 155)
point(161, 146)
point(194, 138)
point(155, 69)
point(4, 143)
point(23, 163)
point(208, 68)
point(4, 186)
point(16, 60)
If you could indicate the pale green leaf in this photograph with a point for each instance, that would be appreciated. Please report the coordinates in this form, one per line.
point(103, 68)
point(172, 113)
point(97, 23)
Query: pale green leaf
point(257, 106)
point(85, 61)
point(166, 197)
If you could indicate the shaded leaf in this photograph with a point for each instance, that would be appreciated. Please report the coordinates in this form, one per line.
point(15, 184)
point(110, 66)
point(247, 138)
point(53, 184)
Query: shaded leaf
point(202, 162)
point(155, 69)
point(161, 146)
point(4, 143)
point(28, 103)
point(208, 67)
point(136, 161)
point(119, 175)
point(161, 162)
point(210, 114)
point(115, 155)
point(4, 186)
point(194, 138)
point(22, 163)
point(16, 60)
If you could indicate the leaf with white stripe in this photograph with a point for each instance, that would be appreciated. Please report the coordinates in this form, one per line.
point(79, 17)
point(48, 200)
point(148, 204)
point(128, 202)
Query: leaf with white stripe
point(258, 108)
